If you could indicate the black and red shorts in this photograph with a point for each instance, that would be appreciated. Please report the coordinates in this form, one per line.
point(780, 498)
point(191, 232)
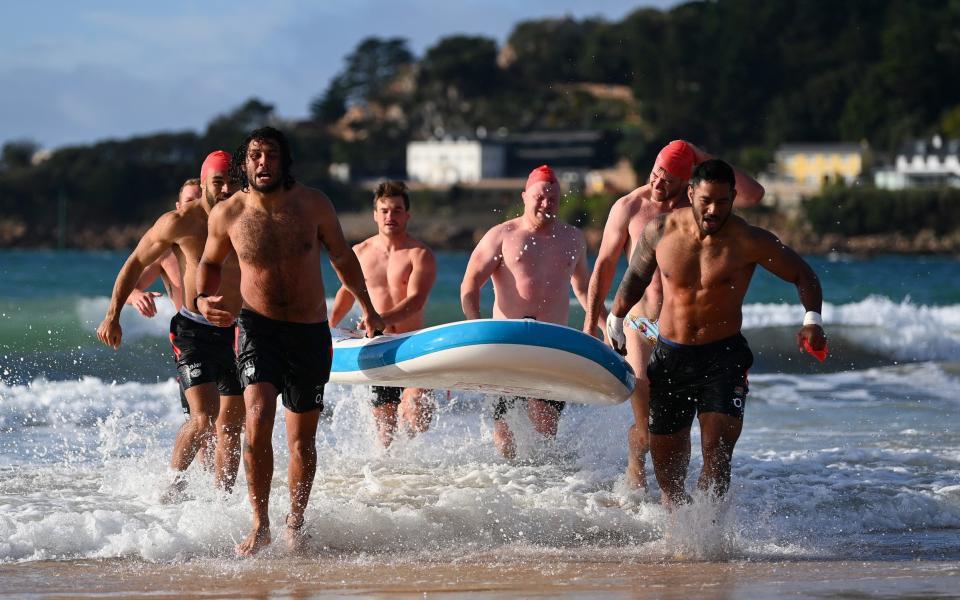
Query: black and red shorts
point(204, 354)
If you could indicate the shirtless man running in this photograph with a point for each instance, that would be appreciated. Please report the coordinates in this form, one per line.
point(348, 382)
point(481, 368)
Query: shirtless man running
point(203, 350)
point(278, 228)
point(706, 257)
point(665, 191)
point(166, 267)
point(533, 259)
point(399, 273)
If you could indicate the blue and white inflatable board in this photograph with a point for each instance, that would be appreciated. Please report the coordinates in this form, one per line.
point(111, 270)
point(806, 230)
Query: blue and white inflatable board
point(517, 357)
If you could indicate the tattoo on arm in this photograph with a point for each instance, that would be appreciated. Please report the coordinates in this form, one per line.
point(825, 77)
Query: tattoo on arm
point(643, 262)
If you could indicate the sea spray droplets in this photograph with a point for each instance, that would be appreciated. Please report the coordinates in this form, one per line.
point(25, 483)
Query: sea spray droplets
point(447, 493)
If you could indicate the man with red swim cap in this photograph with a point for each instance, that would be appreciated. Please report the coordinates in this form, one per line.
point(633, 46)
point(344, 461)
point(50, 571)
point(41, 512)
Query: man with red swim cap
point(676, 158)
point(664, 192)
point(203, 350)
point(216, 161)
point(698, 368)
point(532, 259)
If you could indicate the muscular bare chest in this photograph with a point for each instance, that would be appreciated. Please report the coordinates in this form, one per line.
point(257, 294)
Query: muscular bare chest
point(386, 269)
point(689, 265)
point(267, 240)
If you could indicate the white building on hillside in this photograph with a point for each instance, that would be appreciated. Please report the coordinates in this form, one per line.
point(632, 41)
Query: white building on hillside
point(923, 163)
point(446, 162)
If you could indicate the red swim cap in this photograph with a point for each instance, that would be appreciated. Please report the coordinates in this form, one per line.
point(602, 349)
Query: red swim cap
point(676, 158)
point(541, 173)
point(218, 160)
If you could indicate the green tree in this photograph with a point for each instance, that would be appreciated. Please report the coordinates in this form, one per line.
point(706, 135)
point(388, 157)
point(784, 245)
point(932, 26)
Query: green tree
point(548, 50)
point(17, 154)
point(950, 122)
point(605, 55)
point(226, 131)
point(903, 93)
point(371, 69)
point(460, 66)
point(332, 104)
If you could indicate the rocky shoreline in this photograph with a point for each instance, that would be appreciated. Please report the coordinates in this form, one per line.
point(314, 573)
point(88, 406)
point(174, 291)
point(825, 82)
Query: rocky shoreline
point(463, 231)
point(799, 236)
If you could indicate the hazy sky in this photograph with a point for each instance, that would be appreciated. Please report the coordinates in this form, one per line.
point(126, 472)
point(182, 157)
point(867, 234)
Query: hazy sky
point(76, 72)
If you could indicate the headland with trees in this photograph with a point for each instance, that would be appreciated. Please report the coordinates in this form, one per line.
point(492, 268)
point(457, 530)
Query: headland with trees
point(737, 77)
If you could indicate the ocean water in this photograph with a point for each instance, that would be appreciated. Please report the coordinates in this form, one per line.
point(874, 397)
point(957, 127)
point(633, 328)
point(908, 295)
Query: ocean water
point(854, 459)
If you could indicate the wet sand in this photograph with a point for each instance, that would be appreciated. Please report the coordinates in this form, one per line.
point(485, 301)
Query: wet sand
point(359, 577)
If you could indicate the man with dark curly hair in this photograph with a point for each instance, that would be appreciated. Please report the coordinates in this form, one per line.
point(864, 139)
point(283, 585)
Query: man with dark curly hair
point(277, 227)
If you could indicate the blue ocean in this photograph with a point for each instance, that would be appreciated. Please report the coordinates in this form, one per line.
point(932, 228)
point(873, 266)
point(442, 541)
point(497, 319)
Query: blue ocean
point(857, 458)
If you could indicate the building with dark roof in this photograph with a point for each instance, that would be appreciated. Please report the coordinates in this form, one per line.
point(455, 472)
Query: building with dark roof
point(932, 162)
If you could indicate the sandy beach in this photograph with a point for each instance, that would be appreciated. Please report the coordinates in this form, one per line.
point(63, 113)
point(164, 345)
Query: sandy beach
point(359, 577)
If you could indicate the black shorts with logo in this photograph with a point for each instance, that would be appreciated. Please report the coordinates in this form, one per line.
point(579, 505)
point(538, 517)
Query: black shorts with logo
point(294, 357)
point(204, 354)
point(385, 395)
point(505, 403)
point(686, 380)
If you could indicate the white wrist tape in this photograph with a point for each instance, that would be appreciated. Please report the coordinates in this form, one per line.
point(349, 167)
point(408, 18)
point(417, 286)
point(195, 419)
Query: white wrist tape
point(812, 318)
point(615, 330)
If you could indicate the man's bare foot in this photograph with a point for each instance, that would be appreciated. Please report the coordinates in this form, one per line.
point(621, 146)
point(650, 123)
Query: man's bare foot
point(635, 480)
point(253, 543)
point(294, 536)
point(672, 504)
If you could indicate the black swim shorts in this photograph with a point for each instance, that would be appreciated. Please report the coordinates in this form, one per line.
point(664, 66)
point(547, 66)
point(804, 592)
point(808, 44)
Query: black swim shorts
point(183, 397)
point(505, 403)
point(385, 395)
point(686, 380)
point(204, 354)
point(294, 357)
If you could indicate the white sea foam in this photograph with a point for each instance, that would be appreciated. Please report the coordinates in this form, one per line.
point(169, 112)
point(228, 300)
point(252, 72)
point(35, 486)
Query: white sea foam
point(817, 469)
point(873, 311)
point(90, 313)
point(880, 386)
point(904, 331)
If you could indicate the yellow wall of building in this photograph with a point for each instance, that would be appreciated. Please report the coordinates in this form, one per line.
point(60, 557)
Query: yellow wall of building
point(813, 168)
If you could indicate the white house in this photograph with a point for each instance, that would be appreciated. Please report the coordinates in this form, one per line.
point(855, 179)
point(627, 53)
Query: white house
point(448, 161)
point(923, 163)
